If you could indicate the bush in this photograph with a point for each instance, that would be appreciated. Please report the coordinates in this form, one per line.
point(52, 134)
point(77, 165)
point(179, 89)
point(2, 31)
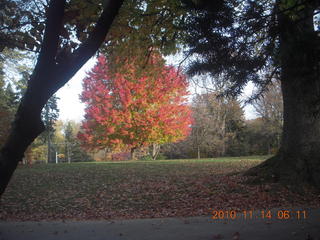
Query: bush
point(122, 156)
point(161, 156)
point(149, 158)
point(146, 158)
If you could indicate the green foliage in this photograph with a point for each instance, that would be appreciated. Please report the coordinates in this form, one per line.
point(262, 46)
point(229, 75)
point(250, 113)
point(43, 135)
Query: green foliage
point(144, 28)
point(160, 156)
point(21, 24)
point(292, 8)
point(269, 108)
point(68, 132)
point(260, 138)
point(39, 153)
point(8, 105)
point(230, 41)
point(50, 113)
point(63, 141)
point(72, 146)
point(146, 158)
point(11, 68)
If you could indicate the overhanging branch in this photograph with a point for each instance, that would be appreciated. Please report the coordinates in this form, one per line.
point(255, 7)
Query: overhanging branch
point(87, 49)
point(50, 41)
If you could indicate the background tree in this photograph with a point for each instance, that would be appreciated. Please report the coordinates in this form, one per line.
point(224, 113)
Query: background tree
point(67, 143)
point(217, 129)
point(269, 106)
point(8, 103)
point(68, 135)
point(9, 88)
point(234, 129)
point(202, 129)
point(216, 122)
point(134, 108)
point(42, 150)
point(258, 139)
point(50, 114)
point(16, 66)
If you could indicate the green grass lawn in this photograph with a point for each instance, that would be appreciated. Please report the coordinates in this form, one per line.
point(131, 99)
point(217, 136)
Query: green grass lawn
point(139, 189)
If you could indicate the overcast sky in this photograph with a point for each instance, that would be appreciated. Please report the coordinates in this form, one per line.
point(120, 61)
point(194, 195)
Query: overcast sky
point(72, 109)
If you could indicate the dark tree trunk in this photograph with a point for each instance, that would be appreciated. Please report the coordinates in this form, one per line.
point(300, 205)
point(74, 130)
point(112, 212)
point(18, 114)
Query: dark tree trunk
point(298, 159)
point(48, 76)
point(26, 127)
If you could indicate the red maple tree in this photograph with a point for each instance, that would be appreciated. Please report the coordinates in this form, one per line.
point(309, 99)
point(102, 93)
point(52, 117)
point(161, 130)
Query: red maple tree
point(134, 108)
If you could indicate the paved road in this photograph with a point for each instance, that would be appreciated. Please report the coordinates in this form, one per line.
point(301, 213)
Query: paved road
point(193, 228)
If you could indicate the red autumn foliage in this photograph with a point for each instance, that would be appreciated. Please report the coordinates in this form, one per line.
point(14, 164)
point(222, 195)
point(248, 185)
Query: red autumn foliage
point(133, 108)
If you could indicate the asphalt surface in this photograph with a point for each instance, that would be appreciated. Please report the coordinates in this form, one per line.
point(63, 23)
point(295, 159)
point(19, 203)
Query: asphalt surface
point(302, 226)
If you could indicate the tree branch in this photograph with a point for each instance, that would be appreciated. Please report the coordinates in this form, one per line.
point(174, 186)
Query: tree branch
point(87, 49)
point(50, 41)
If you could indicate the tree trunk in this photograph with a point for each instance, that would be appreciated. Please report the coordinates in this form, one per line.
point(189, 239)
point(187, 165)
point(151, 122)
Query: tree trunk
point(198, 148)
point(155, 150)
point(48, 76)
point(298, 159)
point(223, 133)
point(132, 153)
point(28, 156)
point(68, 153)
point(26, 127)
point(49, 147)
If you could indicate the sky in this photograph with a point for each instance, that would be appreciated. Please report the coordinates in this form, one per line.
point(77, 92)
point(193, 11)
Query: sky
point(71, 107)
point(69, 104)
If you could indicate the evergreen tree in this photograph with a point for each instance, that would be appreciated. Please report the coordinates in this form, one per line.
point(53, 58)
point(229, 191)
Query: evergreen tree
point(8, 105)
point(50, 114)
point(256, 41)
point(73, 150)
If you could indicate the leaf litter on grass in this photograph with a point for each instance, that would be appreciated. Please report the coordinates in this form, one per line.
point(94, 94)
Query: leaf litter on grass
point(140, 190)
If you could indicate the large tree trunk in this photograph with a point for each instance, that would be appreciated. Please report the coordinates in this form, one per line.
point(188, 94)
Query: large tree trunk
point(298, 159)
point(26, 127)
point(48, 76)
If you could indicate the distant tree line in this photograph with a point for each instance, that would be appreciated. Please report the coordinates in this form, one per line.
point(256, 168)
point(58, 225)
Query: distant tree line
point(220, 128)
